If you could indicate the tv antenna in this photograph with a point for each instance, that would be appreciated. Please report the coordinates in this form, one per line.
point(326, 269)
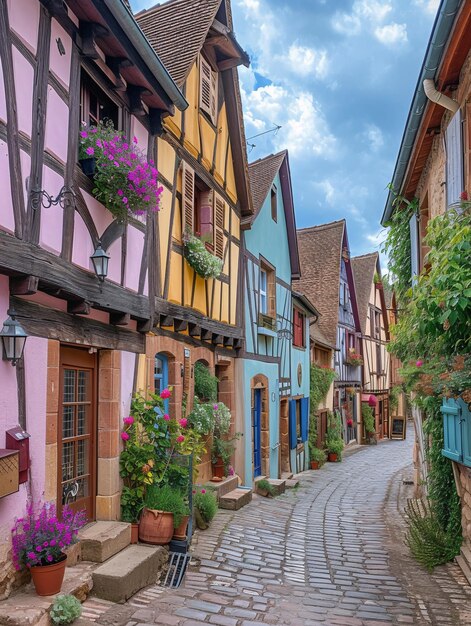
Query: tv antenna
point(265, 132)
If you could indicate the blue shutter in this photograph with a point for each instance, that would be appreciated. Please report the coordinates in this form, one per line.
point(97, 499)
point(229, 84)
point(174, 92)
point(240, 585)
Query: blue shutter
point(293, 439)
point(465, 432)
point(454, 160)
point(414, 247)
point(304, 418)
point(453, 446)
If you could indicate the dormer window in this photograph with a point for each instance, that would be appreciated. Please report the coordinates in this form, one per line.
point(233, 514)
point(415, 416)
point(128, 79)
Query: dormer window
point(208, 90)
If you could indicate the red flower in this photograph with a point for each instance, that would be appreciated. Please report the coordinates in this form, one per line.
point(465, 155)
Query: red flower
point(464, 196)
point(165, 393)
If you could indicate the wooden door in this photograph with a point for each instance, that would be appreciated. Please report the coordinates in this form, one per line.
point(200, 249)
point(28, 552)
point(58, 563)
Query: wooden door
point(257, 433)
point(77, 430)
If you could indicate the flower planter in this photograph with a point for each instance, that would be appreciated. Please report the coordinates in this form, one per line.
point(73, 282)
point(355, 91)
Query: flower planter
point(218, 468)
point(314, 465)
point(156, 527)
point(88, 166)
point(332, 457)
point(179, 532)
point(48, 579)
point(134, 533)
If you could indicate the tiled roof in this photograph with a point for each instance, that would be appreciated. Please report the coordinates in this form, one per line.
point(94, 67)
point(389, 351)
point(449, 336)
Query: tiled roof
point(320, 251)
point(319, 338)
point(262, 173)
point(177, 30)
point(364, 268)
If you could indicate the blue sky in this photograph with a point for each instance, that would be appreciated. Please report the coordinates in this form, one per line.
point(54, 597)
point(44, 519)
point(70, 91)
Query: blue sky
point(338, 76)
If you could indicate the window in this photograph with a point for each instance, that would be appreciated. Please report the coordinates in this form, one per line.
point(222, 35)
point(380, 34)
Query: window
point(203, 211)
point(266, 292)
point(208, 90)
point(95, 105)
point(454, 160)
point(322, 356)
point(263, 292)
point(274, 208)
point(299, 326)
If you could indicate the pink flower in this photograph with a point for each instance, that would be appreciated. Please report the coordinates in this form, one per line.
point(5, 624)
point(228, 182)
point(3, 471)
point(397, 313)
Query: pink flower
point(49, 557)
point(203, 491)
point(180, 438)
point(183, 422)
point(165, 393)
point(129, 420)
point(84, 134)
point(134, 139)
point(120, 193)
point(125, 200)
point(167, 417)
point(419, 363)
point(215, 407)
point(90, 151)
point(464, 195)
point(38, 548)
point(124, 436)
point(31, 555)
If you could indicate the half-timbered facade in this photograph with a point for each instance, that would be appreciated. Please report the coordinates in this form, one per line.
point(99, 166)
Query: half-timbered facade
point(375, 336)
point(327, 280)
point(64, 63)
point(273, 373)
point(201, 158)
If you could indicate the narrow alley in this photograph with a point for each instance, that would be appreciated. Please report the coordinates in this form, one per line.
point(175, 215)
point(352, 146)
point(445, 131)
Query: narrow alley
point(329, 552)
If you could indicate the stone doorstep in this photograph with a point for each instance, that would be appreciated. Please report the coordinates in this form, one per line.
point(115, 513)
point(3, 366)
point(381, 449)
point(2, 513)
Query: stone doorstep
point(291, 483)
point(464, 561)
point(123, 575)
point(25, 608)
point(286, 475)
point(236, 499)
point(279, 486)
point(101, 540)
point(223, 487)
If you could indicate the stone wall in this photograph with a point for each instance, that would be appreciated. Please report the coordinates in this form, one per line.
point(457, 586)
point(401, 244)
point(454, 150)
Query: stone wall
point(465, 489)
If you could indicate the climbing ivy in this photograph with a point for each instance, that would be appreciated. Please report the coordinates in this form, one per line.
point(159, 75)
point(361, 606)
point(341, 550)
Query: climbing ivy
point(321, 378)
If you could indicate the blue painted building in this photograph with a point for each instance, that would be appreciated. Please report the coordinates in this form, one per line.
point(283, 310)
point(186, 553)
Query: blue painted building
point(273, 371)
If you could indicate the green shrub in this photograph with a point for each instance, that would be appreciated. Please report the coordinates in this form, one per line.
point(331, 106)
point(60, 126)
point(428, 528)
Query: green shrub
point(316, 454)
point(166, 498)
point(321, 378)
point(367, 414)
point(264, 485)
point(335, 446)
point(65, 610)
point(206, 503)
point(206, 385)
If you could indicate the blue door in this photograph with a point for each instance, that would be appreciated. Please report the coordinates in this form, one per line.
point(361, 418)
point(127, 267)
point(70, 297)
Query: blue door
point(257, 433)
point(161, 376)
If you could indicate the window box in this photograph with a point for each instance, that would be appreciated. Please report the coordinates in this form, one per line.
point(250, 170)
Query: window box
point(265, 321)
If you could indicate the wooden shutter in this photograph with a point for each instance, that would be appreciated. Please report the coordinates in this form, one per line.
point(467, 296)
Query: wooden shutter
point(293, 438)
point(271, 294)
point(205, 85)
point(454, 160)
point(214, 98)
point(188, 198)
point(414, 247)
point(453, 446)
point(219, 213)
point(304, 418)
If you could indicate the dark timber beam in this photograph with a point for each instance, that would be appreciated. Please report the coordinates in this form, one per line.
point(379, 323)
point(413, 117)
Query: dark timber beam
point(90, 31)
point(180, 325)
point(78, 307)
point(194, 330)
point(120, 319)
point(23, 285)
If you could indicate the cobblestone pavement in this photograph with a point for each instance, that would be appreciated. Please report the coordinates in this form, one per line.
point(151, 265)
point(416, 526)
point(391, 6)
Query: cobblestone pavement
point(330, 552)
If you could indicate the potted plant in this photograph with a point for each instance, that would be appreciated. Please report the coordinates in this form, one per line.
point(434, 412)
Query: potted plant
point(179, 531)
point(377, 281)
point(334, 450)
point(334, 441)
point(204, 263)
point(222, 449)
point(353, 358)
point(205, 506)
point(65, 610)
point(163, 512)
point(38, 541)
point(368, 416)
point(264, 488)
point(132, 504)
point(317, 457)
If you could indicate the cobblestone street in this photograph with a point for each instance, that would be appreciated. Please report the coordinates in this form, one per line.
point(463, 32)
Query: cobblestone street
point(330, 552)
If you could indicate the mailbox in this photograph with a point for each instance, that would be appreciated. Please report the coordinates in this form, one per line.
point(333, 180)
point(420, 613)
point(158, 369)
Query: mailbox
point(18, 439)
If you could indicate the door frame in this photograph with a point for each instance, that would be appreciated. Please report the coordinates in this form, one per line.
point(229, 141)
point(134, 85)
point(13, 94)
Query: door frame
point(257, 432)
point(76, 357)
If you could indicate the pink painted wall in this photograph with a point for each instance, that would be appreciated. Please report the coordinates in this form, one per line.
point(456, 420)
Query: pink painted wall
point(35, 374)
point(3, 106)
point(114, 268)
point(60, 64)
point(7, 221)
point(24, 76)
point(82, 248)
point(101, 216)
point(135, 246)
point(51, 218)
point(139, 131)
point(24, 20)
point(57, 124)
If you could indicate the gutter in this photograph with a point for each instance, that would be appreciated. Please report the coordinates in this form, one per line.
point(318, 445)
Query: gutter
point(438, 39)
point(135, 35)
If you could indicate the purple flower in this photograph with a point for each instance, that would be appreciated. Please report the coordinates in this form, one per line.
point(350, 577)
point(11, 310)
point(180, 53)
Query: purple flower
point(84, 134)
point(49, 558)
point(120, 192)
point(38, 548)
point(31, 556)
point(124, 436)
point(90, 151)
point(129, 420)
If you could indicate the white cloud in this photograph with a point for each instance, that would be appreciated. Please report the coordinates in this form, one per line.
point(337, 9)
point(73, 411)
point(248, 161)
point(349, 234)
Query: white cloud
point(374, 136)
point(391, 34)
point(346, 24)
point(306, 61)
point(328, 189)
point(376, 239)
point(372, 10)
point(429, 6)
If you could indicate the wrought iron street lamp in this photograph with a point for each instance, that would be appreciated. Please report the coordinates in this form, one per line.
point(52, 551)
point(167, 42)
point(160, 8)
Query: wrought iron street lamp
point(100, 260)
point(13, 338)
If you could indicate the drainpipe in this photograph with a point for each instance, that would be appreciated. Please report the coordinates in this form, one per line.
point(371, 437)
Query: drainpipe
point(439, 98)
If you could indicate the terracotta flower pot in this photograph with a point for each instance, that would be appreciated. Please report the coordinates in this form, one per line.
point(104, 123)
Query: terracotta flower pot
point(314, 465)
point(156, 527)
point(48, 579)
point(179, 532)
point(332, 457)
point(218, 468)
point(134, 533)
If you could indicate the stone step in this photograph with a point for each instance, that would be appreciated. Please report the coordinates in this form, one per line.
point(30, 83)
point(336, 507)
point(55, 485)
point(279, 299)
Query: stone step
point(466, 554)
point(235, 499)
point(278, 485)
point(26, 608)
point(122, 576)
point(464, 566)
point(286, 475)
point(223, 487)
point(291, 483)
point(102, 540)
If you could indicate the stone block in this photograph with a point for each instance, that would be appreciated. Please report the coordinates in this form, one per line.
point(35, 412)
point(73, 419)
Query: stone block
point(279, 486)
point(53, 353)
point(108, 507)
point(235, 499)
point(74, 554)
point(50, 484)
point(129, 571)
point(108, 443)
point(102, 540)
point(52, 396)
point(225, 486)
point(109, 482)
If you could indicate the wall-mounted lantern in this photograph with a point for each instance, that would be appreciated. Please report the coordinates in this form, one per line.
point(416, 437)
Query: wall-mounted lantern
point(100, 260)
point(13, 338)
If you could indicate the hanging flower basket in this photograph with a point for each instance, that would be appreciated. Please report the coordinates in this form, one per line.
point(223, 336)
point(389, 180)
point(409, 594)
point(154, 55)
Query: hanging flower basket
point(200, 259)
point(353, 358)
